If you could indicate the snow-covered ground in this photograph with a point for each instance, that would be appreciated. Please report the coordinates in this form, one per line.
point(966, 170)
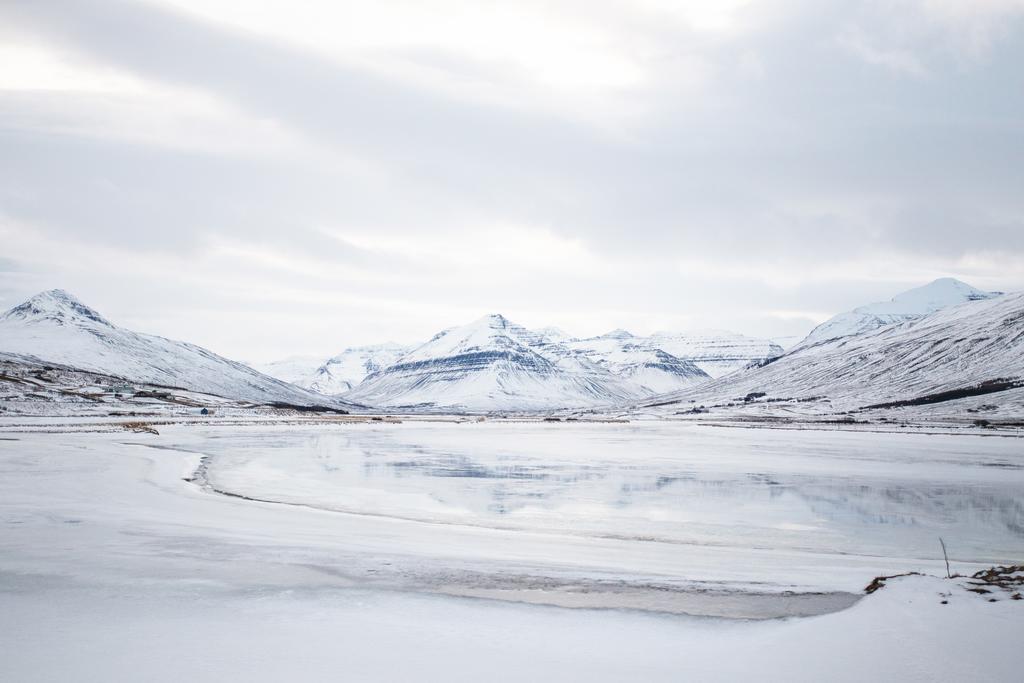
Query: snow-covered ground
point(57, 631)
point(369, 542)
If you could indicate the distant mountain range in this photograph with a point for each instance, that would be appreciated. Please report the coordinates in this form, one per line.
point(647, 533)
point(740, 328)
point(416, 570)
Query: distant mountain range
point(714, 352)
point(495, 364)
point(942, 339)
point(338, 374)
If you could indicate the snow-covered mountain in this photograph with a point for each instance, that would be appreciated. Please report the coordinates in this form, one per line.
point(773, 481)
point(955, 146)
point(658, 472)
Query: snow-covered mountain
point(636, 359)
point(909, 305)
point(493, 364)
point(974, 348)
point(584, 371)
point(714, 353)
point(297, 370)
point(339, 373)
point(350, 367)
point(56, 327)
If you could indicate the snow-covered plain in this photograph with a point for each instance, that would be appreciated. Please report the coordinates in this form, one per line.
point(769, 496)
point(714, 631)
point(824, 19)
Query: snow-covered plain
point(114, 567)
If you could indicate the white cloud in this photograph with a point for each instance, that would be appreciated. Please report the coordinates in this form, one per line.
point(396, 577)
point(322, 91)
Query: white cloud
point(973, 27)
point(919, 37)
point(53, 91)
point(594, 62)
point(357, 172)
point(900, 60)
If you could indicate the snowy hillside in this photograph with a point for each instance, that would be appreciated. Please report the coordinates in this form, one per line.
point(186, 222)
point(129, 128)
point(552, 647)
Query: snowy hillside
point(493, 364)
point(339, 373)
point(295, 369)
point(635, 359)
point(974, 349)
point(716, 352)
point(55, 327)
point(350, 367)
point(712, 353)
point(909, 305)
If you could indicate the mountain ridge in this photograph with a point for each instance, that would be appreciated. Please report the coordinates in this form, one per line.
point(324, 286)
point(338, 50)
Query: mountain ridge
point(55, 326)
point(947, 353)
point(641, 362)
point(908, 305)
point(491, 364)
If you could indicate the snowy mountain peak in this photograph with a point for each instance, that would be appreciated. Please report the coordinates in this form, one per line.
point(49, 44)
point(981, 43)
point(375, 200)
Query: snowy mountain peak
point(55, 327)
point(910, 305)
point(617, 334)
point(340, 372)
point(553, 333)
point(55, 305)
point(495, 321)
point(946, 291)
point(489, 332)
point(492, 364)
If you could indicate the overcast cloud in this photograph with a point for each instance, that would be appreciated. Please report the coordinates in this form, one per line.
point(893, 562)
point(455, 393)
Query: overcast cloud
point(270, 178)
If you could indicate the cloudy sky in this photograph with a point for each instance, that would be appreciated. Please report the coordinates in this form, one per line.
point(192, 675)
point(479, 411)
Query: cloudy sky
point(269, 178)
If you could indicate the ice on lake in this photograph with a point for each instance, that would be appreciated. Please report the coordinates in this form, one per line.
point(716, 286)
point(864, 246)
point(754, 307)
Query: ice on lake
point(347, 552)
point(804, 493)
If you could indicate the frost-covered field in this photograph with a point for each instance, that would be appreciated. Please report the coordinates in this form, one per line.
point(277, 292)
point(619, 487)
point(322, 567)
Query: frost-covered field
point(354, 552)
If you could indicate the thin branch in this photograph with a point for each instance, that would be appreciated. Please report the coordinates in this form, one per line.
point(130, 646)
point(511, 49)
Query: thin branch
point(945, 555)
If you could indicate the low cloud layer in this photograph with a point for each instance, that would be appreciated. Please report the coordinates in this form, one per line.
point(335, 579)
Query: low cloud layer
point(269, 178)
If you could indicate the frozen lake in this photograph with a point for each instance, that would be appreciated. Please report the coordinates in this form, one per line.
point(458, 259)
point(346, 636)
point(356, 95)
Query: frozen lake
point(325, 552)
point(805, 492)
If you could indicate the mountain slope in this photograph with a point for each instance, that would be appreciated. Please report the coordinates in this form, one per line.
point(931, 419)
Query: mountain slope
point(54, 326)
point(975, 347)
point(492, 364)
point(339, 373)
point(295, 370)
point(909, 305)
point(716, 352)
point(635, 359)
point(713, 352)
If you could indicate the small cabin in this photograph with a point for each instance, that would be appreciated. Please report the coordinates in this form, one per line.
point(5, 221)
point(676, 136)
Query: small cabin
point(121, 388)
point(206, 411)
